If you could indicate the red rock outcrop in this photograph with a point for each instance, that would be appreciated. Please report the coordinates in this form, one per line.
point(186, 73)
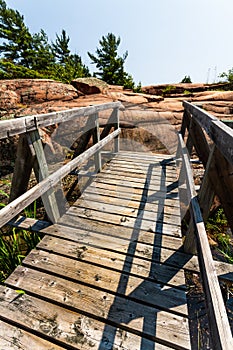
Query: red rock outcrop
point(29, 91)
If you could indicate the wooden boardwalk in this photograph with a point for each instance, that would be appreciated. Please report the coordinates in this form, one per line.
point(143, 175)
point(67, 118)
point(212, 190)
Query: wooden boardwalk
point(110, 273)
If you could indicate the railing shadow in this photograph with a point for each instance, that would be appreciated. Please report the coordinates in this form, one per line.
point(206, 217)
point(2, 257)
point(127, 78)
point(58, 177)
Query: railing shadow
point(125, 308)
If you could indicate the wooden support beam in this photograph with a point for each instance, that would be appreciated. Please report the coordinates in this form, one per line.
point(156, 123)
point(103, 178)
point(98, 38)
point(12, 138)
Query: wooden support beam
point(22, 170)
point(96, 139)
point(41, 171)
point(116, 126)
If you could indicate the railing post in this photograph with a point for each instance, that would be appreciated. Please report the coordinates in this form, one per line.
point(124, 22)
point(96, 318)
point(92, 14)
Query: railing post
point(96, 139)
point(42, 172)
point(116, 126)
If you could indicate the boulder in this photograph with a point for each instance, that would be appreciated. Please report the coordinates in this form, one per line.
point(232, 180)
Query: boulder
point(89, 86)
point(37, 90)
point(8, 99)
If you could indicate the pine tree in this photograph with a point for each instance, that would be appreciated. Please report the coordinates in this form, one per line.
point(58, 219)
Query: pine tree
point(110, 65)
point(61, 47)
point(18, 44)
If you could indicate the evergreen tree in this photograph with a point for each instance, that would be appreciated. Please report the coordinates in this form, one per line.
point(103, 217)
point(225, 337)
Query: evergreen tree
point(42, 57)
point(110, 65)
point(186, 79)
point(26, 55)
point(61, 47)
point(18, 44)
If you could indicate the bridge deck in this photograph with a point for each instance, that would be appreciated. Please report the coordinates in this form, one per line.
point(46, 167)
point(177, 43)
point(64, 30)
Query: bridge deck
point(110, 273)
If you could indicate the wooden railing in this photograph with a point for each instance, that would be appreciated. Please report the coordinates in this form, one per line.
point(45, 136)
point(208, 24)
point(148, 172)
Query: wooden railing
point(213, 143)
point(31, 155)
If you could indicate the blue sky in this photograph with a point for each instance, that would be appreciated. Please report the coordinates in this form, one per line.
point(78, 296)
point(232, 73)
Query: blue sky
point(166, 39)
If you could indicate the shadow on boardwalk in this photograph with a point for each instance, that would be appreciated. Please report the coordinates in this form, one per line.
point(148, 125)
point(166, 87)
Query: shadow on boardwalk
point(126, 309)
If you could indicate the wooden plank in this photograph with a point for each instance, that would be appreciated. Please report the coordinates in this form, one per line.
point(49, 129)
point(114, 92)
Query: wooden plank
point(106, 237)
point(14, 338)
point(132, 287)
point(134, 194)
point(161, 178)
point(144, 160)
point(101, 196)
point(102, 239)
point(116, 261)
point(73, 329)
point(16, 206)
point(172, 257)
point(156, 213)
point(146, 155)
point(119, 169)
point(160, 188)
point(153, 225)
point(161, 326)
point(21, 125)
point(85, 229)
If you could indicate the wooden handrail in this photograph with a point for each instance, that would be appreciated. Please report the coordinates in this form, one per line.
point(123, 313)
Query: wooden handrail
point(27, 128)
point(219, 133)
point(220, 331)
point(30, 123)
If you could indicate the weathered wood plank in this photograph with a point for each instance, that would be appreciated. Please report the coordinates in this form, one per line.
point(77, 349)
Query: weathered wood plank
point(175, 258)
point(106, 237)
point(161, 189)
point(134, 194)
point(116, 261)
point(156, 213)
point(16, 206)
point(161, 326)
point(161, 178)
point(119, 169)
point(146, 155)
point(155, 224)
point(132, 287)
point(71, 329)
point(82, 228)
point(101, 196)
point(14, 338)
